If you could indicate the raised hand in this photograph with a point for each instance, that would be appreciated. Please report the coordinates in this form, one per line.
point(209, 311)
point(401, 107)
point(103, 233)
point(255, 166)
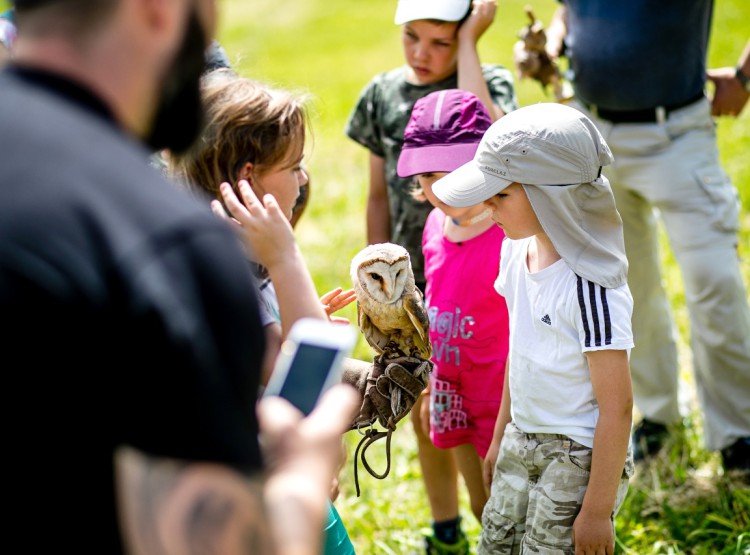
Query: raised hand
point(482, 16)
point(335, 300)
point(730, 96)
point(262, 226)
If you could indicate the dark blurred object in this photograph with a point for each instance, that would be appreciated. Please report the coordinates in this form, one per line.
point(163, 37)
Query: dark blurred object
point(737, 456)
point(302, 200)
point(216, 57)
point(648, 439)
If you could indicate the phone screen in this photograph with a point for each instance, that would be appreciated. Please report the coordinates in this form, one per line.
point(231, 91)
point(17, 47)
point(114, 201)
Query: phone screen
point(307, 376)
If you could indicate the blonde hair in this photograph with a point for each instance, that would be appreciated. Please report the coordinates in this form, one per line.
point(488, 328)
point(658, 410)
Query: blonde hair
point(246, 121)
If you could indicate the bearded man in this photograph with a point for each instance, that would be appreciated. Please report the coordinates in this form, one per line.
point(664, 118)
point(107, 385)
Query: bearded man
point(130, 307)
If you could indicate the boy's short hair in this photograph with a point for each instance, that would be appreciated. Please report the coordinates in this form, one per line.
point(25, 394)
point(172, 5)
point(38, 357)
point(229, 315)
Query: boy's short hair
point(440, 10)
point(443, 132)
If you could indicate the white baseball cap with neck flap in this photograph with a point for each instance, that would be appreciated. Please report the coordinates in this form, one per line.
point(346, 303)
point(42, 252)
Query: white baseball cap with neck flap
point(557, 154)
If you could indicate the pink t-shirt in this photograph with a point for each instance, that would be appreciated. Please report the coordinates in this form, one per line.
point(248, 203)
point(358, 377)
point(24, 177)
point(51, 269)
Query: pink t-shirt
point(469, 335)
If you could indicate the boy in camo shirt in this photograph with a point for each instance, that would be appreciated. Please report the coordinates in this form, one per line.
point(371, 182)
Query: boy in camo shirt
point(439, 39)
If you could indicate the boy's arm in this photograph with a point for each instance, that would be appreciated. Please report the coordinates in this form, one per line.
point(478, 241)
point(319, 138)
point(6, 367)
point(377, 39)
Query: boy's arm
point(556, 31)
point(730, 95)
point(610, 378)
point(503, 417)
point(378, 212)
point(470, 77)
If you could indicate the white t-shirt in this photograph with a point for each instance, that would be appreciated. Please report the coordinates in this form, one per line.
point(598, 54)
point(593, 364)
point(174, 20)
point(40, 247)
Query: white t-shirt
point(269, 303)
point(555, 317)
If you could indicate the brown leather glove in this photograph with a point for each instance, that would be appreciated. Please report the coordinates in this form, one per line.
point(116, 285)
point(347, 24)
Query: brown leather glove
point(530, 57)
point(389, 389)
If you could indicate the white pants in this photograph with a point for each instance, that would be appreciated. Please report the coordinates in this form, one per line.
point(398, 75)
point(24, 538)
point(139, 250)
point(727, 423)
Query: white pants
point(671, 170)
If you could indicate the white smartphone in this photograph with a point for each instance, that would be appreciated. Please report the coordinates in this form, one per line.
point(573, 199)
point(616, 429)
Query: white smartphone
point(310, 361)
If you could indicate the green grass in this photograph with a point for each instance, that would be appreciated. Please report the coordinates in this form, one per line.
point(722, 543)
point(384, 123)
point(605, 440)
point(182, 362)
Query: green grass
point(680, 505)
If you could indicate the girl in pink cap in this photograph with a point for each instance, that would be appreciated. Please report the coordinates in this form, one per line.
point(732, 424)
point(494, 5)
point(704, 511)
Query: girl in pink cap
point(468, 319)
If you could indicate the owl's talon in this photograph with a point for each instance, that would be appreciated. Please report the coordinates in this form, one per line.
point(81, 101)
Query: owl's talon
point(365, 426)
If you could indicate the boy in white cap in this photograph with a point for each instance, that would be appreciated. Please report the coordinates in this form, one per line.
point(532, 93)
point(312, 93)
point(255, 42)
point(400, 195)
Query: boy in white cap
point(559, 462)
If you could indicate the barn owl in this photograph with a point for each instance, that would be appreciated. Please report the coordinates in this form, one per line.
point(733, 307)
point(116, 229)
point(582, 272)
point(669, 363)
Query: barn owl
point(390, 308)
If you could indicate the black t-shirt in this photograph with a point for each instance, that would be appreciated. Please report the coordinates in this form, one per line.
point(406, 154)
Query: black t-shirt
point(128, 317)
point(638, 54)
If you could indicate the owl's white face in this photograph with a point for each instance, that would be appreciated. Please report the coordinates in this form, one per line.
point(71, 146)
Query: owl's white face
point(381, 273)
point(384, 281)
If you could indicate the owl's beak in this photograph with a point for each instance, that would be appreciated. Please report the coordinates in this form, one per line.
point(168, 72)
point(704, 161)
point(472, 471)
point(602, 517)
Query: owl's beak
point(387, 289)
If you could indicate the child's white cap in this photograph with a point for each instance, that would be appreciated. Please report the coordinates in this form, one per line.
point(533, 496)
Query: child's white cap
point(557, 154)
point(443, 10)
point(541, 144)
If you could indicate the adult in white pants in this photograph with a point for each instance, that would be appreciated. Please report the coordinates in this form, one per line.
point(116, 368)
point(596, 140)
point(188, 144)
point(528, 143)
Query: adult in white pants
point(640, 74)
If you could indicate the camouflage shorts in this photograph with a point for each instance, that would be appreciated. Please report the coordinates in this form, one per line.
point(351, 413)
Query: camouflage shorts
point(537, 491)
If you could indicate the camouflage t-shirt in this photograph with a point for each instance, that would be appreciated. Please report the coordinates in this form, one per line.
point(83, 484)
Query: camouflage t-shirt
point(378, 122)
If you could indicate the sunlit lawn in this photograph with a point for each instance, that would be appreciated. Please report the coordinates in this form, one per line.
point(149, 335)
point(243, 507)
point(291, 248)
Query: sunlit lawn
point(331, 48)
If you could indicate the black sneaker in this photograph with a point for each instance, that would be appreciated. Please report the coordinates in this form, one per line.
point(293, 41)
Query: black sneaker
point(737, 455)
point(434, 546)
point(648, 439)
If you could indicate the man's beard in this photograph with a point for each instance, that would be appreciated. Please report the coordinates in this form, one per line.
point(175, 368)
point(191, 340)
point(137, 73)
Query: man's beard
point(179, 115)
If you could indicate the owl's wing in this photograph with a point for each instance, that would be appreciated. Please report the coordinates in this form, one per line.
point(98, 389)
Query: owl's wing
point(414, 306)
point(376, 338)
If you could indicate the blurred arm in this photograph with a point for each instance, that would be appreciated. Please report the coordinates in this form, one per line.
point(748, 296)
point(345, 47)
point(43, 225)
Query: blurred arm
point(169, 507)
point(470, 77)
point(503, 418)
point(610, 378)
point(556, 32)
point(378, 212)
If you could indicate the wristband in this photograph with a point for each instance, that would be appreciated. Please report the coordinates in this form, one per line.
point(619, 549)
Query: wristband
point(742, 78)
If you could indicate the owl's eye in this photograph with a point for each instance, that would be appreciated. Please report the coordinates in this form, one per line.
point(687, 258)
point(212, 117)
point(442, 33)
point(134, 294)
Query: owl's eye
point(376, 277)
point(398, 274)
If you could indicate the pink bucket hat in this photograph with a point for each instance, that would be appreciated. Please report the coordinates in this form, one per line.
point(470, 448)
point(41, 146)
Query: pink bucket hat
point(443, 132)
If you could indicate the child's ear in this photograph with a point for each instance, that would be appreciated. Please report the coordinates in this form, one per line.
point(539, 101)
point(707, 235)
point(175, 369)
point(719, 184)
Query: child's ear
point(246, 172)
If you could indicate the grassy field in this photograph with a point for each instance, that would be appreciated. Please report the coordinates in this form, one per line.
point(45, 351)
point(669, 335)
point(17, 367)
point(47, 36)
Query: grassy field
point(331, 49)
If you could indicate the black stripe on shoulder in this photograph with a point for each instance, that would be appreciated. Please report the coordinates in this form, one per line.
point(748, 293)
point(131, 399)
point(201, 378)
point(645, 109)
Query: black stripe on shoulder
point(595, 314)
point(582, 305)
point(607, 318)
point(602, 324)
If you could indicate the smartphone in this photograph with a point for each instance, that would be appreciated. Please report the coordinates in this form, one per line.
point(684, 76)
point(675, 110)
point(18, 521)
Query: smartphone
point(310, 361)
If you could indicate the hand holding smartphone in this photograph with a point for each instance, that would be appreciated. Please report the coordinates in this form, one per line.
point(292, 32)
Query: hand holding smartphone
point(310, 361)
